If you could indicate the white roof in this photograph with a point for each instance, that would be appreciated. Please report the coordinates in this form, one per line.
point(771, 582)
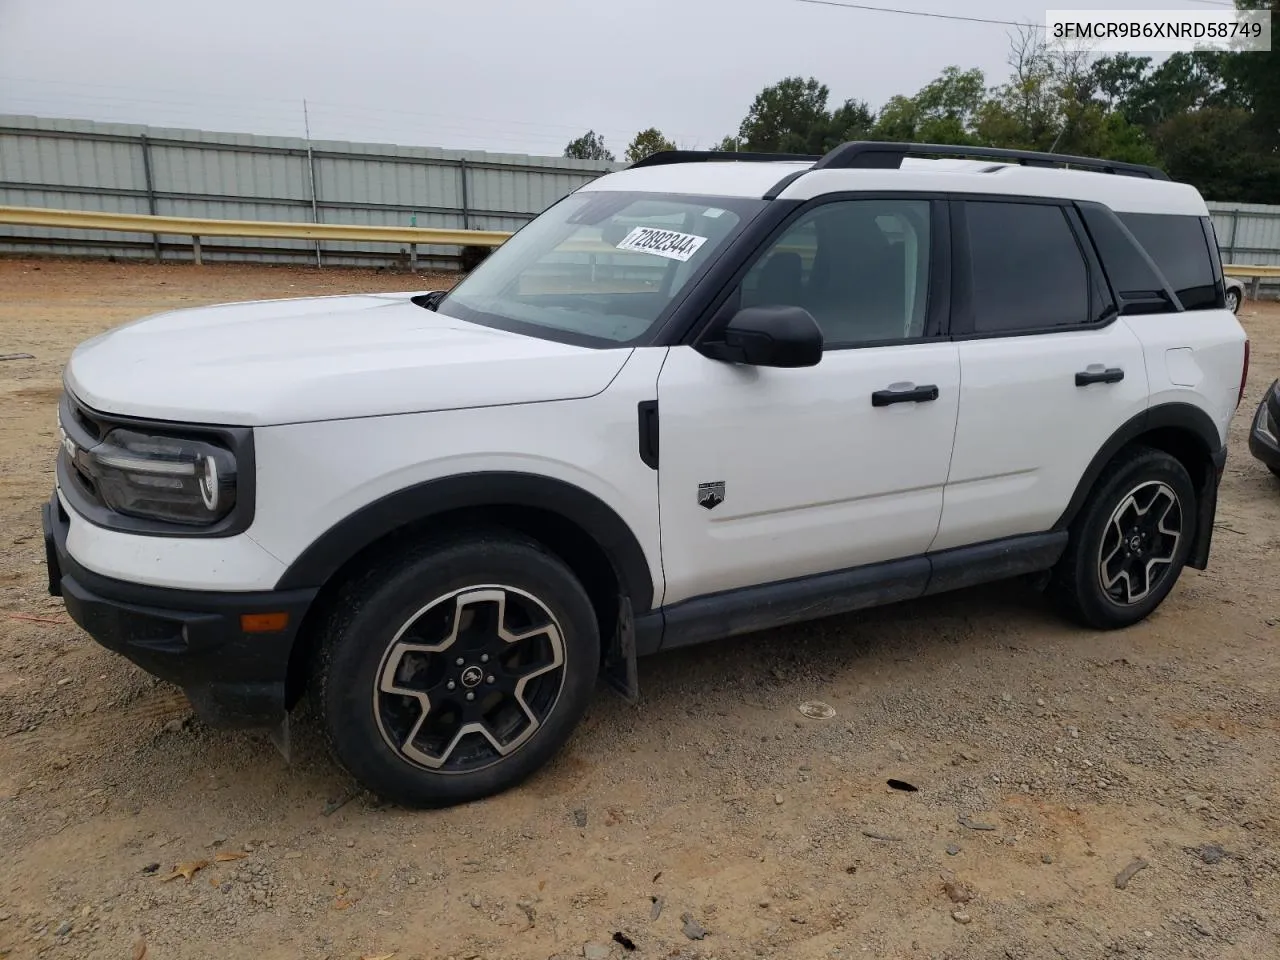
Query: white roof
point(746, 179)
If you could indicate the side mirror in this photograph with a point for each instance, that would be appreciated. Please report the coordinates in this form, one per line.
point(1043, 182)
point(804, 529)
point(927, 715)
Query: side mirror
point(769, 337)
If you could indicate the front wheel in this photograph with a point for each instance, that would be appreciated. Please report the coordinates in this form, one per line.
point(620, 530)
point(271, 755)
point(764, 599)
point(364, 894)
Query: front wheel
point(1130, 542)
point(459, 670)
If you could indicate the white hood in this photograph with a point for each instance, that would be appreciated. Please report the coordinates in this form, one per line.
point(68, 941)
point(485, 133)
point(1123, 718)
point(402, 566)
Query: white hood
point(323, 358)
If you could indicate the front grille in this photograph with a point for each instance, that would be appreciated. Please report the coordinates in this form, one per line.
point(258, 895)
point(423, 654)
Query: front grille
point(85, 431)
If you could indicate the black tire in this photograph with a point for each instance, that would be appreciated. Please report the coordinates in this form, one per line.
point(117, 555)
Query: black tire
point(368, 726)
point(1102, 532)
point(1233, 300)
point(1275, 471)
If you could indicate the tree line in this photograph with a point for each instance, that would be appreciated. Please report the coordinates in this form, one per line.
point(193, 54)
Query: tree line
point(1211, 119)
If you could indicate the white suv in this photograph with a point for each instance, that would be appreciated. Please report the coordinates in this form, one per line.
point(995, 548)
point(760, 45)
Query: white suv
point(706, 395)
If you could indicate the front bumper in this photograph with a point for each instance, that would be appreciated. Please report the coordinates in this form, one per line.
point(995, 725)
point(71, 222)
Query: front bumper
point(1264, 435)
point(191, 638)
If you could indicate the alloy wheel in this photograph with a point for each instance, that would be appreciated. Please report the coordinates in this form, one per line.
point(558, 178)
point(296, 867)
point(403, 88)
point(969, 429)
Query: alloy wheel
point(1140, 542)
point(469, 678)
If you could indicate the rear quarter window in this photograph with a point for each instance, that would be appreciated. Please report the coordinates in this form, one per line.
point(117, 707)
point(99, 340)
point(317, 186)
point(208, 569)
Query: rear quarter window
point(1178, 246)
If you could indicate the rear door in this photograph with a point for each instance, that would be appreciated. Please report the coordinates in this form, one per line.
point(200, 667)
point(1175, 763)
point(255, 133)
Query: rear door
point(1048, 371)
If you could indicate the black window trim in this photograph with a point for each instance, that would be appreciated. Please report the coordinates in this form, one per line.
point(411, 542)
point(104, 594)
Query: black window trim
point(938, 304)
point(962, 297)
point(1175, 302)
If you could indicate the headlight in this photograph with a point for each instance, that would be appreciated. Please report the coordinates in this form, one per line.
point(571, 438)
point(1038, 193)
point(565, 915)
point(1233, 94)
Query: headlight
point(153, 477)
point(164, 478)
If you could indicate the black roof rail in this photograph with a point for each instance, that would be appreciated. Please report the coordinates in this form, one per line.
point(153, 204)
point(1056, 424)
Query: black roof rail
point(663, 157)
point(884, 155)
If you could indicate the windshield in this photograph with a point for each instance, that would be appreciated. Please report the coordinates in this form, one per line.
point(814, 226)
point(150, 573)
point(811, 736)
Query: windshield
point(598, 268)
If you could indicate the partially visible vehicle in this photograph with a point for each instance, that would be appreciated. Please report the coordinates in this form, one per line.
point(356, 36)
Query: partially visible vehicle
point(1263, 442)
point(1235, 293)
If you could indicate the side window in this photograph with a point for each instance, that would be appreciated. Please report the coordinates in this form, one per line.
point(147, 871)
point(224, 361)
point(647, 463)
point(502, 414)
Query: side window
point(1129, 272)
point(1177, 245)
point(861, 267)
point(1028, 271)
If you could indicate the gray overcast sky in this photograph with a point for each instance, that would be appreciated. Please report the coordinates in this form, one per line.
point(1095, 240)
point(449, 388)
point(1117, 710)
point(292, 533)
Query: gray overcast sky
point(480, 74)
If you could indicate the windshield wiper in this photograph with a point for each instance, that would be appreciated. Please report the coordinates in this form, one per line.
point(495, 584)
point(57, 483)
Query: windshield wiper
point(430, 301)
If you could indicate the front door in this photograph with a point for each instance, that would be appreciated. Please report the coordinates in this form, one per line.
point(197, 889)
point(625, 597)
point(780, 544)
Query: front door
point(771, 474)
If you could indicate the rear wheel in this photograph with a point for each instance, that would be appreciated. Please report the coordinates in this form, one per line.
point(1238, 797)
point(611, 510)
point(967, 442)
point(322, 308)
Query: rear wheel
point(1233, 300)
point(459, 671)
point(1130, 542)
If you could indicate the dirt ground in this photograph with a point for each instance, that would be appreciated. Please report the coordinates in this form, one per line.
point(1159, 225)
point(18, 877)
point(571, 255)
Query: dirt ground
point(1048, 759)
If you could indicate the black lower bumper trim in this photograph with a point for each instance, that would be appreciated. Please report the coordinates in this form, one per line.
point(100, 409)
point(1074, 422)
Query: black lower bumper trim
point(187, 637)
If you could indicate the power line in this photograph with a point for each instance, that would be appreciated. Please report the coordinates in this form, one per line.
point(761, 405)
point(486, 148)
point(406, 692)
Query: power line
point(922, 13)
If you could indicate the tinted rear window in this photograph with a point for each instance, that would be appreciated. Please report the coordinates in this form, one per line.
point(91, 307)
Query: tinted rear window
point(1128, 271)
point(1177, 245)
point(1028, 272)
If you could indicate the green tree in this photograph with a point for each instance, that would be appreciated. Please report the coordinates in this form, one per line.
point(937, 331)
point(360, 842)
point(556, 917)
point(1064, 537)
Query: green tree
point(1219, 150)
point(728, 145)
point(943, 111)
point(787, 117)
point(852, 120)
point(647, 142)
point(1255, 80)
point(589, 146)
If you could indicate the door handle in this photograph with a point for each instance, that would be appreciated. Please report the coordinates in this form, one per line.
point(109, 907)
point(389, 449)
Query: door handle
point(1109, 375)
point(923, 394)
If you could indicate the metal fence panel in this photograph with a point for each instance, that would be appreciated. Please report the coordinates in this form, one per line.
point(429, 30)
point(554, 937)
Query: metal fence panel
point(82, 165)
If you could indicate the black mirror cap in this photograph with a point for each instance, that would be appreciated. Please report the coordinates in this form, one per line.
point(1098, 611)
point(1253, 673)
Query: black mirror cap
point(770, 336)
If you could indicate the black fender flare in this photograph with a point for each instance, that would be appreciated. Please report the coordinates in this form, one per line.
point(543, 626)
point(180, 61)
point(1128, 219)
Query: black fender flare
point(333, 548)
point(1187, 419)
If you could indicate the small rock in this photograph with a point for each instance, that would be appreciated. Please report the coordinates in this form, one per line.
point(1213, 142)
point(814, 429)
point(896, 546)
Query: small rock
point(1073, 733)
point(65, 680)
point(959, 916)
point(580, 817)
point(1007, 697)
point(173, 726)
point(596, 951)
point(151, 868)
point(1128, 873)
point(1039, 701)
point(777, 798)
point(63, 929)
point(952, 850)
point(763, 904)
point(895, 747)
point(957, 892)
point(4, 915)
point(61, 763)
point(656, 911)
point(692, 928)
point(1047, 858)
point(475, 902)
point(1211, 853)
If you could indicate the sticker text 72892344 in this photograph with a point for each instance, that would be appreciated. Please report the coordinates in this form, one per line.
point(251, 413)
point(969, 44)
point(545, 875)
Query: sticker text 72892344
point(662, 243)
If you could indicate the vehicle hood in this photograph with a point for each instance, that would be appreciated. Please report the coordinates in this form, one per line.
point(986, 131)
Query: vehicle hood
point(323, 358)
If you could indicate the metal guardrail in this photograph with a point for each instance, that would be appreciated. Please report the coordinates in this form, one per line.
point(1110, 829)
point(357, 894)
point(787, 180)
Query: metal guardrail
point(196, 228)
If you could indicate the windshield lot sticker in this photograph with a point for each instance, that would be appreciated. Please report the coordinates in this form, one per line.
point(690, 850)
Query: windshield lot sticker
point(662, 243)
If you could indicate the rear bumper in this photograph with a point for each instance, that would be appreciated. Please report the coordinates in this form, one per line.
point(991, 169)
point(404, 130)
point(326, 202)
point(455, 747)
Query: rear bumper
point(190, 638)
point(1264, 434)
